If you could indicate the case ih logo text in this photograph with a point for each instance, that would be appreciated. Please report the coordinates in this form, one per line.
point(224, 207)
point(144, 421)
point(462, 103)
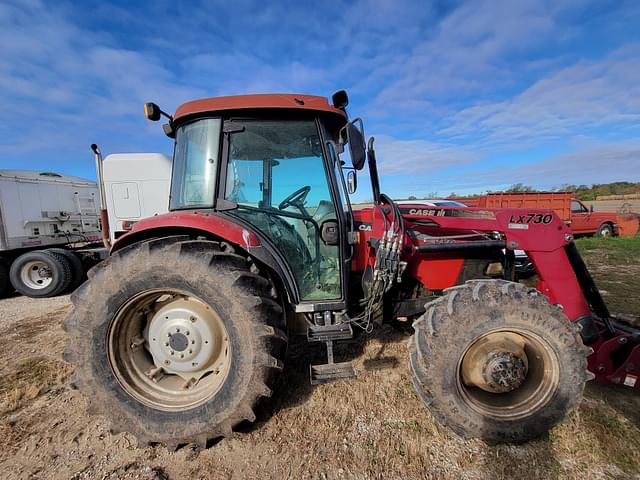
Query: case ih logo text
point(426, 212)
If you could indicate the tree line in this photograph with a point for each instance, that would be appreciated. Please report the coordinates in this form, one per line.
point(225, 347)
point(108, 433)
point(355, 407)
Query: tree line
point(581, 192)
point(585, 192)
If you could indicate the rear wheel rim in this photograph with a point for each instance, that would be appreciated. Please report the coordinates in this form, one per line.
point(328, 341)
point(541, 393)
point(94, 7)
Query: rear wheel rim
point(36, 275)
point(169, 350)
point(532, 394)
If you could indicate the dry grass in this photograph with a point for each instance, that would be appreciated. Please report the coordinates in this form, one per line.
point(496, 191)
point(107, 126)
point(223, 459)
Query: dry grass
point(29, 379)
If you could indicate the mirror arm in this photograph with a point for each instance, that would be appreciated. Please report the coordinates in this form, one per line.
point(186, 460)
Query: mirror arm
point(373, 171)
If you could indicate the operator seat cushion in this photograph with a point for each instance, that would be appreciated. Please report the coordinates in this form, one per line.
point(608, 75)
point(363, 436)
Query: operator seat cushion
point(325, 209)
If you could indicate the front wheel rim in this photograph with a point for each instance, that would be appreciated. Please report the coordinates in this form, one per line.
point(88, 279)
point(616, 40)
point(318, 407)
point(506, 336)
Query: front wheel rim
point(534, 392)
point(169, 350)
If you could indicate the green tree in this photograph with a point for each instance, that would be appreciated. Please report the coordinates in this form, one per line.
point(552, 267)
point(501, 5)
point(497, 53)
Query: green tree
point(520, 188)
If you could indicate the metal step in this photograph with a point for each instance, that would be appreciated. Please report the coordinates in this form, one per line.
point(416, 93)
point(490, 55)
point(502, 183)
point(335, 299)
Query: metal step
point(331, 372)
point(328, 333)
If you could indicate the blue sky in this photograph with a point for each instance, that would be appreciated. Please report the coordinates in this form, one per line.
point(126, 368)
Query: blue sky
point(461, 96)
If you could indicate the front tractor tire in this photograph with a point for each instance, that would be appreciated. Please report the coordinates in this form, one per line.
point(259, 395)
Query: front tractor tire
point(175, 340)
point(494, 360)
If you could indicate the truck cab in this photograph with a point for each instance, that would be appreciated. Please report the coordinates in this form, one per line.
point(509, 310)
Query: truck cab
point(585, 221)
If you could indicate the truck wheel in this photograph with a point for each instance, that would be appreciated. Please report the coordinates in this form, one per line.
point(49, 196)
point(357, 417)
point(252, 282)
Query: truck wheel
point(605, 230)
point(5, 283)
point(494, 360)
point(77, 269)
point(175, 340)
point(40, 273)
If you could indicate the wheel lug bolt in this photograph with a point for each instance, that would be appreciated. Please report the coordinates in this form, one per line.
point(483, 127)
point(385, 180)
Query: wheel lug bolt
point(187, 332)
point(172, 352)
point(177, 330)
point(190, 351)
point(167, 362)
point(182, 355)
point(193, 319)
point(192, 342)
point(169, 334)
point(166, 344)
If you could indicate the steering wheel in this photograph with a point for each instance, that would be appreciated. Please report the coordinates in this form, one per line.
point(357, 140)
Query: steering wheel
point(296, 199)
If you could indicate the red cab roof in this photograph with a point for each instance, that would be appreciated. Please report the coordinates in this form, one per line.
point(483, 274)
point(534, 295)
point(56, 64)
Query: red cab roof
point(264, 100)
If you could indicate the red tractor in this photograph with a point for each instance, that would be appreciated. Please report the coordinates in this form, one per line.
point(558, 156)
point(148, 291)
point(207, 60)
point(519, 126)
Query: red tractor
point(183, 329)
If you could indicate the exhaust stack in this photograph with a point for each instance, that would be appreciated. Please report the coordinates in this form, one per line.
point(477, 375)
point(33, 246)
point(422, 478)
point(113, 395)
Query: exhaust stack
point(104, 215)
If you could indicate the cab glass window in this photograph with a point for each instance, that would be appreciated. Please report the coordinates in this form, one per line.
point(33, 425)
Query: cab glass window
point(577, 207)
point(195, 164)
point(277, 176)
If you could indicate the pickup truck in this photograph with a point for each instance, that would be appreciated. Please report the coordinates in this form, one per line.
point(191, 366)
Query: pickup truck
point(582, 220)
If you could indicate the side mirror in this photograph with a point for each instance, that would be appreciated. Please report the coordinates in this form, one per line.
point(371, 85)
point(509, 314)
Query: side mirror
point(355, 139)
point(352, 182)
point(152, 111)
point(340, 99)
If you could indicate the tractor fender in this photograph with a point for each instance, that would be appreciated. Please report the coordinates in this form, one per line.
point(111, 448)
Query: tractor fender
point(221, 227)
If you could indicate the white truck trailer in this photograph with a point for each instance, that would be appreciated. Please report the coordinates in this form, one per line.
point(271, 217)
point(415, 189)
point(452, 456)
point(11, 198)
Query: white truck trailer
point(40, 212)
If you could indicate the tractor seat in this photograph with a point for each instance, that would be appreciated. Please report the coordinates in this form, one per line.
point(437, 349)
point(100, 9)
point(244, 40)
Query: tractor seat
point(325, 211)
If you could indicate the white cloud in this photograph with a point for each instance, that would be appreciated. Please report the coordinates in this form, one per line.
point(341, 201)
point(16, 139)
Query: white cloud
point(583, 96)
point(419, 157)
point(592, 162)
point(465, 53)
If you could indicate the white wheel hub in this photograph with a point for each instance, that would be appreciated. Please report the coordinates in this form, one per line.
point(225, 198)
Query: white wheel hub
point(36, 275)
point(186, 338)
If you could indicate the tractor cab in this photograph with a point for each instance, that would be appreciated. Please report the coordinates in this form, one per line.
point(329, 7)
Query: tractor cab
point(276, 168)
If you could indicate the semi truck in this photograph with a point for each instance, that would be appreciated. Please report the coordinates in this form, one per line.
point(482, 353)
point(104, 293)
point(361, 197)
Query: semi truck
point(44, 216)
point(51, 230)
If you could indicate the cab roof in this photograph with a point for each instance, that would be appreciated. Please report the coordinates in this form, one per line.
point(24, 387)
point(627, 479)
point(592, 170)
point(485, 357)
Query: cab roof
point(258, 101)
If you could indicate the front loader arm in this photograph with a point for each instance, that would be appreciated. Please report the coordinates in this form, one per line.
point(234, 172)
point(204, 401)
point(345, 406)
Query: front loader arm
point(540, 233)
point(562, 275)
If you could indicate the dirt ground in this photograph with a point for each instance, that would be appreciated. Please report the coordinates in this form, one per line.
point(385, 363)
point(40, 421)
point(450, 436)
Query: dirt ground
point(374, 427)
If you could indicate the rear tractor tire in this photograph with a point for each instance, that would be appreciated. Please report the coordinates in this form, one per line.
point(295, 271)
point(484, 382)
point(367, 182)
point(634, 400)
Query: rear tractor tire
point(494, 360)
point(40, 274)
point(175, 340)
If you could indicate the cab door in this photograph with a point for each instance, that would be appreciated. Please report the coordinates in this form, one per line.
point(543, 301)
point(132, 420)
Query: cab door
point(278, 177)
point(579, 217)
